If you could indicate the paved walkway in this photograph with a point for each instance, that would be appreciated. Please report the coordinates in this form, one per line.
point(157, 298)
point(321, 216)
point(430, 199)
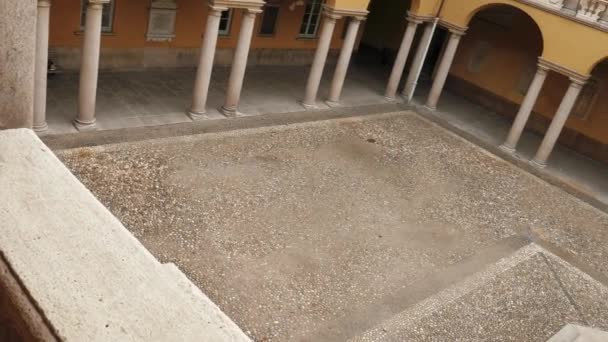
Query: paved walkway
point(160, 97)
point(588, 176)
point(383, 227)
point(157, 97)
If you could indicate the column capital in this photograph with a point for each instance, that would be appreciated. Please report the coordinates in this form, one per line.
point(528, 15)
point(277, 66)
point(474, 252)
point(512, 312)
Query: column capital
point(418, 19)
point(97, 4)
point(453, 28)
point(542, 68)
point(44, 3)
point(337, 13)
point(216, 10)
point(253, 11)
point(330, 15)
point(577, 82)
point(542, 65)
point(572, 74)
point(244, 4)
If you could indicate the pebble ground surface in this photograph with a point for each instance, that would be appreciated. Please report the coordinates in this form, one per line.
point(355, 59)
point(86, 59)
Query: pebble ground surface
point(293, 229)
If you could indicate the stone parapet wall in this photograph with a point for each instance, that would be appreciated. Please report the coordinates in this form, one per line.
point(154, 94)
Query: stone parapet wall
point(139, 58)
point(73, 269)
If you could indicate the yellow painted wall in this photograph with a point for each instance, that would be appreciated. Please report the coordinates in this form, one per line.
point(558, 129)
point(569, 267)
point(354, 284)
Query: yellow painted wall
point(511, 52)
point(131, 20)
point(567, 43)
point(349, 4)
point(426, 8)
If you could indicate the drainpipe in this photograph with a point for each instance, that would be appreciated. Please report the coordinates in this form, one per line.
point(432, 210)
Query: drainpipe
point(409, 91)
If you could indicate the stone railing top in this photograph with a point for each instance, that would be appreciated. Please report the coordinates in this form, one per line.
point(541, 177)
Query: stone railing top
point(592, 12)
point(88, 276)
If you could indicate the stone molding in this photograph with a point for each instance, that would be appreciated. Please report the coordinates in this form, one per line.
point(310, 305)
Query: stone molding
point(44, 3)
point(254, 6)
point(344, 12)
point(565, 15)
point(573, 75)
point(419, 18)
point(453, 28)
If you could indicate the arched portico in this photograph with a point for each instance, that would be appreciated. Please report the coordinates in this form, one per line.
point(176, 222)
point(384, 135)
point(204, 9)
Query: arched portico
point(563, 37)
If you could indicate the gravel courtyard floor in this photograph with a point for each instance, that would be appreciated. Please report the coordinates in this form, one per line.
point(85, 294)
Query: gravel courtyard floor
point(362, 228)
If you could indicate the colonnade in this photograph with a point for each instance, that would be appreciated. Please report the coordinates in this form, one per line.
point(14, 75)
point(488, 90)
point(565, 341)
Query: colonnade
point(85, 118)
point(552, 134)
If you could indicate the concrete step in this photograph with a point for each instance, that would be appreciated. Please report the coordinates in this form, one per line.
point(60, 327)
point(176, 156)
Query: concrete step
point(200, 303)
point(359, 320)
point(527, 295)
point(576, 333)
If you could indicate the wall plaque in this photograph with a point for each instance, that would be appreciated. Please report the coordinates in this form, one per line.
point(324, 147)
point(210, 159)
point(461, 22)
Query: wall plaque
point(161, 24)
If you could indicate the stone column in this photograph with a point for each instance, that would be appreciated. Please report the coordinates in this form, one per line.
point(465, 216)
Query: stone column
point(557, 124)
point(239, 64)
point(343, 61)
point(41, 67)
point(444, 69)
point(423, 46)
point(89, 67)
point(318, 64)
point(205, 64)
point(525, 109)
point(404, 51)
point(17, 60)
point(570, 6)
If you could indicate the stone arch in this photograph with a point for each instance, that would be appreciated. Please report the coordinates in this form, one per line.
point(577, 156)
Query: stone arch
point(562, 41)
point(594, 66)
point(492, 5)
point(538, 33)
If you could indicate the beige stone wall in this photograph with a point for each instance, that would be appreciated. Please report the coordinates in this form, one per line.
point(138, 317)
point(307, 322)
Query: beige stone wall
point(68, 59)
point(17, 40)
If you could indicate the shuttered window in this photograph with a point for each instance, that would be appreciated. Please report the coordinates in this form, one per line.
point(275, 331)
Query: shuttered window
point(311, 19)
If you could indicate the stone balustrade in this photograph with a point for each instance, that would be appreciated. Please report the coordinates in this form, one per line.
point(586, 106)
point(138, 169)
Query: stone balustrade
point(591, 11)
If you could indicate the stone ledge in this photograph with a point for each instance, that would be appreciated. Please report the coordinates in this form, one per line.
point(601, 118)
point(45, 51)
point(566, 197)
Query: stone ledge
point(576, 333)
point(89, 278)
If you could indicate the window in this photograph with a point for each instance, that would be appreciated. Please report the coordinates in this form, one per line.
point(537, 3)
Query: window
point(225, 23)
point(269, 20)
point(107, 18)
point(311, 19)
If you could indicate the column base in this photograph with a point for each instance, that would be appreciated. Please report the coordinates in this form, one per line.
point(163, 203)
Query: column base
point(390, 98)
point(507, 149)
point(538, 164)
point(229, 112)
point(196, 116)
point(85, 125)
point(429, 108)
point(41, 128)
point(309, 106)
point(333, 104)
